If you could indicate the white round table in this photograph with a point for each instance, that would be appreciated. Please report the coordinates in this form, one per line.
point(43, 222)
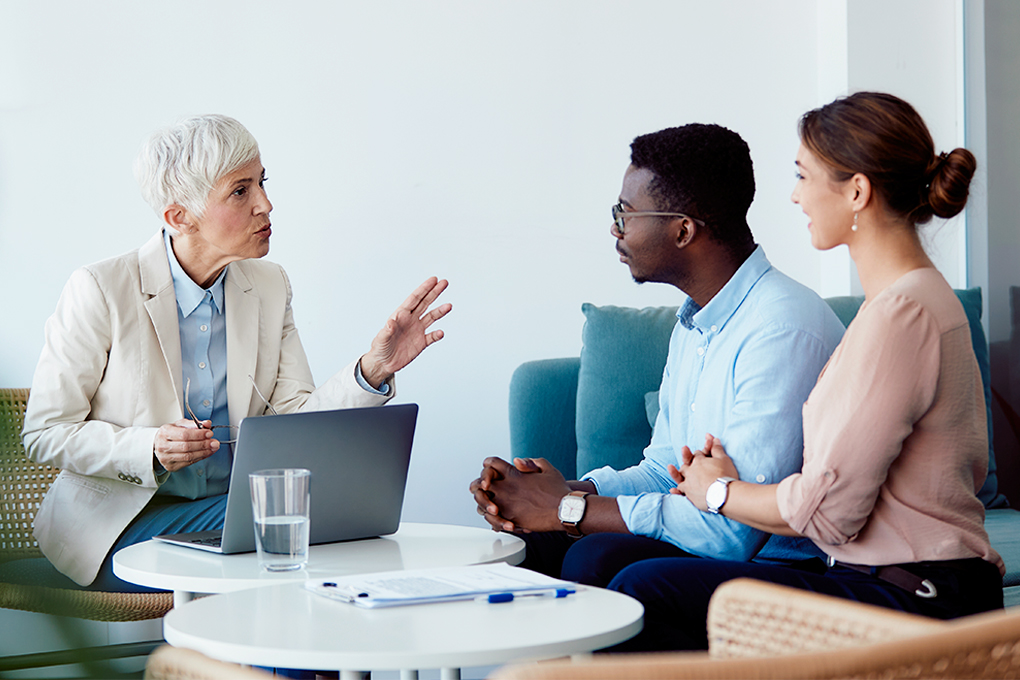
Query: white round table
point(187, 571)
point(291, 627)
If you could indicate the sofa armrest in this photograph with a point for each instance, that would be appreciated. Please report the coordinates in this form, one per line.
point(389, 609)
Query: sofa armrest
point(543, 406)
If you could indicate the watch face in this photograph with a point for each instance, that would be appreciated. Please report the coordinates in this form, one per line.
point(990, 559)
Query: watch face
point(715, 495)
point(571, 509)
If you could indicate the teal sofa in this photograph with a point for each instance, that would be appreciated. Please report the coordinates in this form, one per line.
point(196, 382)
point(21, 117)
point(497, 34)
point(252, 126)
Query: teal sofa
point(584, 412)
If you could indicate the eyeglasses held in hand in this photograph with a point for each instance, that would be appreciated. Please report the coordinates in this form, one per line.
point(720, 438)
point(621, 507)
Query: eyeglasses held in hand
point(620, 216)
point(198, 423)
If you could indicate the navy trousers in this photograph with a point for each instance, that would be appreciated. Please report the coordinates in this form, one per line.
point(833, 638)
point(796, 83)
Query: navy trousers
point(675, 587)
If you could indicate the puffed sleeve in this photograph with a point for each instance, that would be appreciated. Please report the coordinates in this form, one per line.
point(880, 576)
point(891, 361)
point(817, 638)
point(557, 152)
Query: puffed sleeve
point(880, 381)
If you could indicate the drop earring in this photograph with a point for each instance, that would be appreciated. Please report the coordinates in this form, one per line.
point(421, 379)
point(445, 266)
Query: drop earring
point(854, 226)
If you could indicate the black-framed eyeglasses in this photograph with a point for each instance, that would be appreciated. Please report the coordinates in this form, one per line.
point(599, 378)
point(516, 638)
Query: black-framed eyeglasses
point(620, 216)
point(233, 428)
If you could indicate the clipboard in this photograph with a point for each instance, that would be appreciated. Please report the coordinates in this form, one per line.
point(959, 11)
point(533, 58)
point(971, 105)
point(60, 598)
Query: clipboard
point(495, 582)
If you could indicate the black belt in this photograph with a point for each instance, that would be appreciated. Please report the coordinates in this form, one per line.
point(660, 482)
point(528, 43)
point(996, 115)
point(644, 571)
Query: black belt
point(898, 576)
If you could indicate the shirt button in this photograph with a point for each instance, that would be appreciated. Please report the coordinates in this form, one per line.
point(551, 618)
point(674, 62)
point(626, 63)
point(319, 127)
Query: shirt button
point(701, 351)
point(201, 364)
point(200, 472)
point(692, 407)
point(715, 328)
point(203, 328)
point(760, 479)
point(205, 402)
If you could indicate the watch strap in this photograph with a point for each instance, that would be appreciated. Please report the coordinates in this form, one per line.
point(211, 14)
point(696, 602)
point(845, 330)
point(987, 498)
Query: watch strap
point(573, 528)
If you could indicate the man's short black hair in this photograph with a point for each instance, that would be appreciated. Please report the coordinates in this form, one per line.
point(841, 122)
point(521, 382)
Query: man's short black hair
point(704, 171)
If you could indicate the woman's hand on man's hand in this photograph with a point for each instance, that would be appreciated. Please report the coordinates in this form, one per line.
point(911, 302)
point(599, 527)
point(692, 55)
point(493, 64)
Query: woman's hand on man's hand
point(701, 468)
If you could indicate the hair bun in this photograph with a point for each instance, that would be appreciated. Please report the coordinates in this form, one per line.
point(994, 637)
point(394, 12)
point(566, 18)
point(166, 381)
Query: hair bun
point(949, 176)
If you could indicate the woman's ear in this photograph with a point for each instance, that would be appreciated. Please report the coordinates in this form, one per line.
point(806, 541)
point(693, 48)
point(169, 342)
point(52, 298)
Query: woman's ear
point(858, 190)
point(178, 219)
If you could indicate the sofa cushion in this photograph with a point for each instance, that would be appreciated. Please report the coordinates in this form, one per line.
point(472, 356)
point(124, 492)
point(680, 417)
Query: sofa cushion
point(1001, 525)
point(622, 358)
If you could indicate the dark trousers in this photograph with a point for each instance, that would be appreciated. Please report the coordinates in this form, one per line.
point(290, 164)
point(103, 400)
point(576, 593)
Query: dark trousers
point(592, 560)
point(675, 587)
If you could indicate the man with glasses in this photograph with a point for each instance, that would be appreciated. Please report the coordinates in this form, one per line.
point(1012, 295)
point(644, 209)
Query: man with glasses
point(746, 351)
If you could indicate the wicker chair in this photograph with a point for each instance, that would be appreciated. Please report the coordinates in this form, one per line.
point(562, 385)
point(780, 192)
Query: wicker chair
point(22, 486)
point(761, 630)
point(177, 663)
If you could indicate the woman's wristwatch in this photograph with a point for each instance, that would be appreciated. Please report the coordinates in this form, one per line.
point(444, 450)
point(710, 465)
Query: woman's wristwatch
point(717, 493)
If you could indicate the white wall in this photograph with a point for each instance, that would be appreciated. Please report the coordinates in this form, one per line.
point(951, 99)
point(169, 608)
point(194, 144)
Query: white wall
point(483, 142)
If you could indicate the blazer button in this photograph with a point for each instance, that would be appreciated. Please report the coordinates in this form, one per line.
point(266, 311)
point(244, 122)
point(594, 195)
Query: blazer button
point(121, 477)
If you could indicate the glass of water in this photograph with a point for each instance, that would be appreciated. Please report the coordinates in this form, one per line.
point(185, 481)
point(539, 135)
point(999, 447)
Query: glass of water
point(280, 504)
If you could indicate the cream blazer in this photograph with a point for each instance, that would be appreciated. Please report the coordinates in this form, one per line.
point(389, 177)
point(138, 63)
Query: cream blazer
point(110, 375)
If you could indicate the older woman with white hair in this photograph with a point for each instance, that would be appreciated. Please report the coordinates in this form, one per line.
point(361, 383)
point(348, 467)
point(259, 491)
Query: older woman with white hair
point(152, 358)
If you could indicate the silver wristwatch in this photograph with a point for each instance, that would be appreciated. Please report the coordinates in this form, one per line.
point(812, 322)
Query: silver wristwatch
point(717, 493)
point(571, 512)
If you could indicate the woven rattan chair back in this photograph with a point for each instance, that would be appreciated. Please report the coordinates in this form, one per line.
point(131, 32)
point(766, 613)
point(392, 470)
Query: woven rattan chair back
point(22, 482)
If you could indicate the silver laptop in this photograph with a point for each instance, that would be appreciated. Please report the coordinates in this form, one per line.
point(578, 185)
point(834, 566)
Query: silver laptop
point(358, 458)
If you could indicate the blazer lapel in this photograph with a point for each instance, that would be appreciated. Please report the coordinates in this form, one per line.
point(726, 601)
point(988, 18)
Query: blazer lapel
point(242, 309)
point(161, 305)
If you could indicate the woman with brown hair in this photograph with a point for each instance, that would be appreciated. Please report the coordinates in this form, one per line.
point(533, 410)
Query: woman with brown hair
point(895, 441)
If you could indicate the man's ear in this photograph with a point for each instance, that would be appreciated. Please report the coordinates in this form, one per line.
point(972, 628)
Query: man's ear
point(178, 218)
point(686, 231)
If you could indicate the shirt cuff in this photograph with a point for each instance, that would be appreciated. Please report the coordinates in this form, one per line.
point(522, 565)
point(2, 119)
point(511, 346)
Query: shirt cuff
point(158, 471)
point(383, 390)
point(606, 480)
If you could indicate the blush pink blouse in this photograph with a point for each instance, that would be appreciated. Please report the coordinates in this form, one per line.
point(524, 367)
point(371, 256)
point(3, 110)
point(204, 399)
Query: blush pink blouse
point(895, 439)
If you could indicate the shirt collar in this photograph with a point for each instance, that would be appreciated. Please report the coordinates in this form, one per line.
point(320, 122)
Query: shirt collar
point(189, 294)
point(722, 306)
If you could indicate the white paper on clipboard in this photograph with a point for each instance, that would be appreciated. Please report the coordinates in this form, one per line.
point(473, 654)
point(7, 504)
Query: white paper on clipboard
point(422, 586)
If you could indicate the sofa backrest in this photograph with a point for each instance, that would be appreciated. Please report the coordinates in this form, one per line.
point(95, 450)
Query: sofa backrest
point(621, 366)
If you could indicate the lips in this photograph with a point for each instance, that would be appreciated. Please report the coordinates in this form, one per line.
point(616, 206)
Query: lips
point(265, 231)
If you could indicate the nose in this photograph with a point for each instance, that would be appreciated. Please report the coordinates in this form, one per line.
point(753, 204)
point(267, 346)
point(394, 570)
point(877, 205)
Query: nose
point(795, 196)
point(263, 205)
point(615, 230)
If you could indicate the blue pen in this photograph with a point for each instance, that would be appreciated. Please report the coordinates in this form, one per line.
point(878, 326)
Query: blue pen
point(496, 598)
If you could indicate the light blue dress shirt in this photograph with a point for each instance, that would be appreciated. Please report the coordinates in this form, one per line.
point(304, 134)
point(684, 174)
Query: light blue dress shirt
point(200, 315)
point(202, 321)
point(740, 368)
